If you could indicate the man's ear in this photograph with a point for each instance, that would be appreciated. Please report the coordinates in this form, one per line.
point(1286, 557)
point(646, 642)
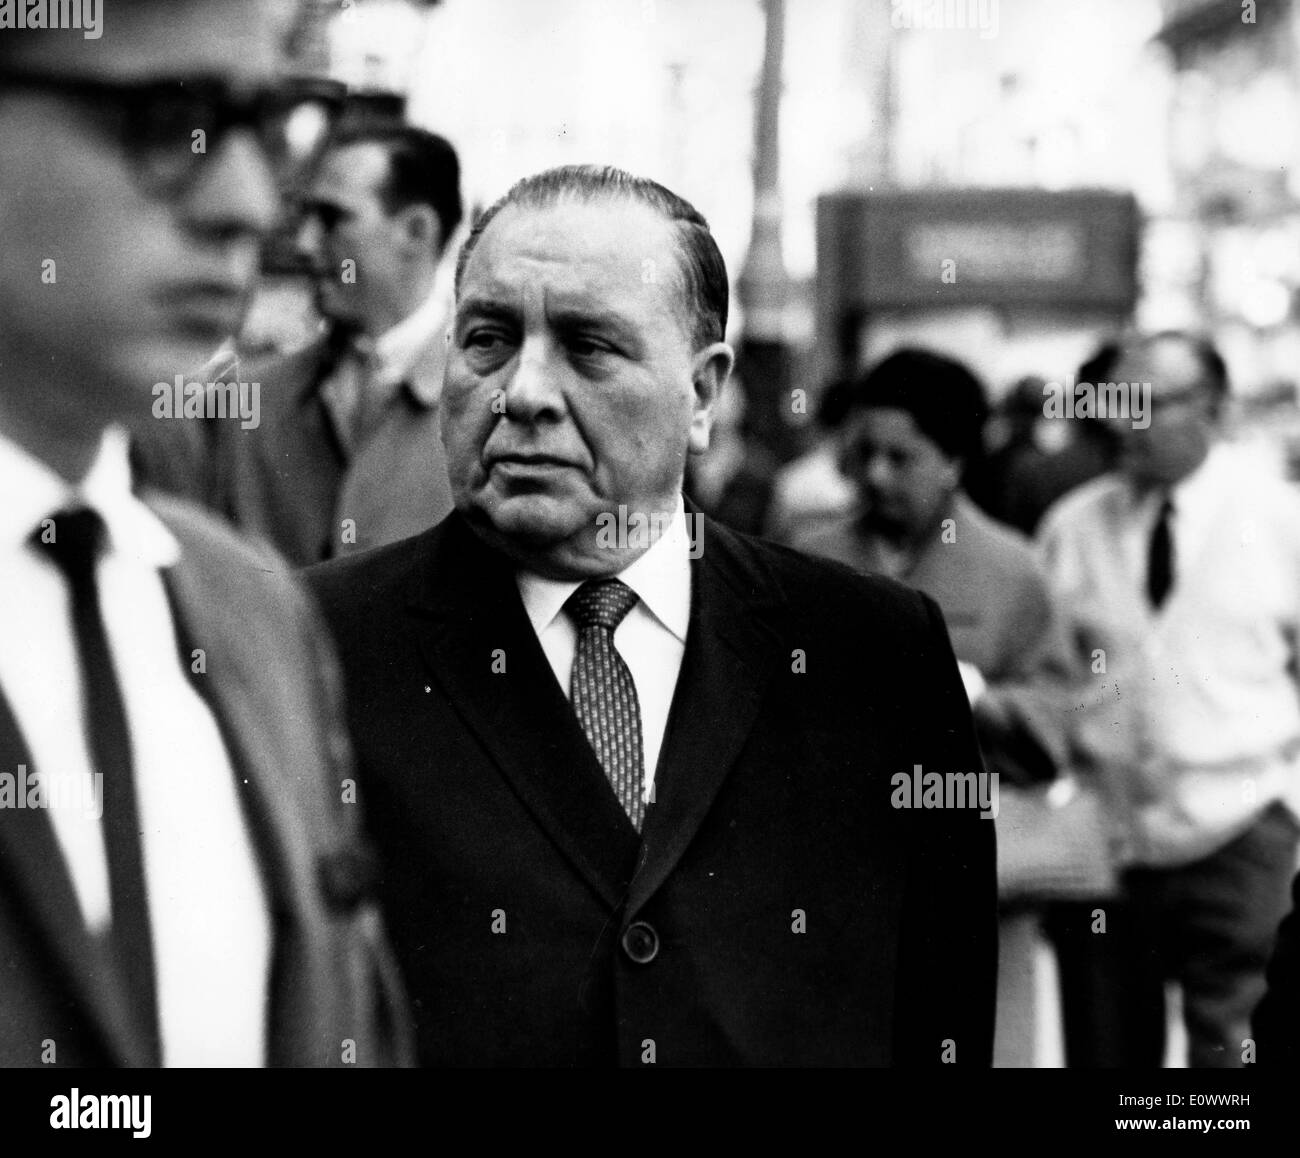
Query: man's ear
point(419, 229)
point(709, 373)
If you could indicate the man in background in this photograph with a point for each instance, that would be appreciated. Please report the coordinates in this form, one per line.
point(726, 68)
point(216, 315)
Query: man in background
point(1038, 457)
point(811, 489)
point(180, 882)
point(1179, 573)
point(349, 452)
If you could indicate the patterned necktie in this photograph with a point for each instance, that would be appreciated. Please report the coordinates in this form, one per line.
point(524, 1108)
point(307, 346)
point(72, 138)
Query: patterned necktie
point(78, 539)
point(603, 694)
point(1160, 557)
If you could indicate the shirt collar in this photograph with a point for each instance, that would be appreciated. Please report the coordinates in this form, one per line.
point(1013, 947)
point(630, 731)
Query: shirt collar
point(412, 343)
point(34, 491)
point(1188, 492)
point(661, 577)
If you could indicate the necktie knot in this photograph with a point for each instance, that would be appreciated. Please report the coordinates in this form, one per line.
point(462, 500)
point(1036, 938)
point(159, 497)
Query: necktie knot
point(601, 603)
point(74, 539)
point(356, 393)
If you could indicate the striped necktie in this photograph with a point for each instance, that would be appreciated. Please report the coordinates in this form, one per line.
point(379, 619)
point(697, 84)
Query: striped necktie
point(603, 693)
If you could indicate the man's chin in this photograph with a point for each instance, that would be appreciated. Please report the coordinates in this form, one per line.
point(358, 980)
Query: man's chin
point(535, 521)
point(541, 534)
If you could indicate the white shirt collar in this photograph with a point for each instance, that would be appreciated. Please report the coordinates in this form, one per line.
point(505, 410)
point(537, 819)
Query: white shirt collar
point(1187, 493)
point(34, 491)
point(400, 350)
point(661, 577)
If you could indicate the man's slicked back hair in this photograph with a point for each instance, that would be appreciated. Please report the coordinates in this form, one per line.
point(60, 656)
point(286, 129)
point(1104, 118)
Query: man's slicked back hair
point(423, 169)
point(704, 273)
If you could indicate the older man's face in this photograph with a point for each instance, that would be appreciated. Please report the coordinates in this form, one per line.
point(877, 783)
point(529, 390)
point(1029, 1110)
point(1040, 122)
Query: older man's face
point(572, 385)
point(106, 286)
point(1181, 424)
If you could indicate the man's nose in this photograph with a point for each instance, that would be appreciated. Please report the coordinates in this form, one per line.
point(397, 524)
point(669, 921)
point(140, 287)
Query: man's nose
point(235, 192)
point(533, 391)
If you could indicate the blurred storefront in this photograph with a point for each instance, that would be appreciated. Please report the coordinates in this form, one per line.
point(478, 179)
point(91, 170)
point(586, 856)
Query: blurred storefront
point(1022, 104)
point(974, 265)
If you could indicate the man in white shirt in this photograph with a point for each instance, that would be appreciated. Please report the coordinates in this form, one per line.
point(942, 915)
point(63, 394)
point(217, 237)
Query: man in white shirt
point(634, 777)
point(1180, 576)
point(179, 883)
point(349, 452)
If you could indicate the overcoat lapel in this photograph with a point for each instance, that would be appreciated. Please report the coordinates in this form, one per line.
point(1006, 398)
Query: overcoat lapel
point(32, 866)
point(230, 689)
point(732, 652)
point(467, 614)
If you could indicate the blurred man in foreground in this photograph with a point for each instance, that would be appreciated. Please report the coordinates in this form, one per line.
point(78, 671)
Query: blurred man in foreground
point(179, 882)
point(635, 777)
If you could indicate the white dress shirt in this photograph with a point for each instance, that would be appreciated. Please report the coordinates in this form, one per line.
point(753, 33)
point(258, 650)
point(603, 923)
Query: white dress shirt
point(208, 913)
point(651, 639)
point(1195, 720)
point(419, 337)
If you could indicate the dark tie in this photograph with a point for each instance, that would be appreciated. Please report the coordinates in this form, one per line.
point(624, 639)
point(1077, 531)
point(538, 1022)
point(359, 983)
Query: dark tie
point(357, 404)
point(1160, 556)
point(603, 694)
point(77, 539)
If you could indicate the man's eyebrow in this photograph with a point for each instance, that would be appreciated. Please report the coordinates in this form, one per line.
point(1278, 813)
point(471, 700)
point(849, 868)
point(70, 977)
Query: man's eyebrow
point(482, 307)
point(576, 317)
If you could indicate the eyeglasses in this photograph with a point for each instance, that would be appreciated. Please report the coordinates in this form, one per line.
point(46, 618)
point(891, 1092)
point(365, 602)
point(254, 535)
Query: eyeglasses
point(167, 127)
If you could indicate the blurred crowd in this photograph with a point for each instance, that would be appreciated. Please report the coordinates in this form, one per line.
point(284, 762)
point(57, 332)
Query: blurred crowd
point(1123, 595)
